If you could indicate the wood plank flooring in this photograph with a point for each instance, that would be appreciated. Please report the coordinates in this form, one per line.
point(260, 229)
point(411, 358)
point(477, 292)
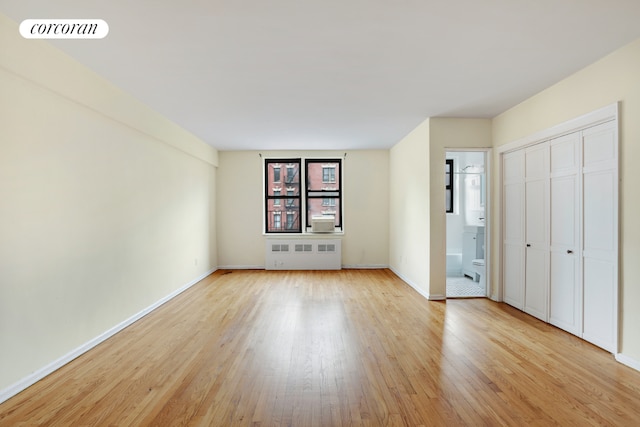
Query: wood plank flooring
point(345, 348)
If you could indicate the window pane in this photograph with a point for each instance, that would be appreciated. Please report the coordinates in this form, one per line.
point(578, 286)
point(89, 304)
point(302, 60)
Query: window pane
point(323, 175)
point(277, 220)
point(290, 220)
point(282, 194)
point(323, 195)
point(327, 206)
point(291, 186)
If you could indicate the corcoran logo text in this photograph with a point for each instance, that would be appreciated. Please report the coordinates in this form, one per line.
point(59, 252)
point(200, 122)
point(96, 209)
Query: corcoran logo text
point(64, 29)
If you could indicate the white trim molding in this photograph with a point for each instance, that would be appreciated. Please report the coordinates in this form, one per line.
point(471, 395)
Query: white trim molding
point(417, 288)
point(241, 267)
point(36, 376)
point(602, 115)
point(628, 361)
point(365, 266)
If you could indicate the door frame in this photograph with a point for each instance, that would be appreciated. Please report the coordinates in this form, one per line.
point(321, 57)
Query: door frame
point(490, 292)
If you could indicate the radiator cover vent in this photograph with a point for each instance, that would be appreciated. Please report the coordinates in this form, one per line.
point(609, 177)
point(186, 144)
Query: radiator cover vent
point(312, 254)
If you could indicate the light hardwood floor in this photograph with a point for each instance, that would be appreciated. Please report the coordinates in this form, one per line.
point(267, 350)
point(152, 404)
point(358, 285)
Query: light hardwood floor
point(353, 347)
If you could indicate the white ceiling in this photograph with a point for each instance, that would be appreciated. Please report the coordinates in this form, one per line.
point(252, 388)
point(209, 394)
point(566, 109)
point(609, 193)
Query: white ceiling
point(335, 74)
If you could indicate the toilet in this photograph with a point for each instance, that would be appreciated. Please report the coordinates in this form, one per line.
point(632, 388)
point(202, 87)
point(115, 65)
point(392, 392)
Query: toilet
point(478, 268)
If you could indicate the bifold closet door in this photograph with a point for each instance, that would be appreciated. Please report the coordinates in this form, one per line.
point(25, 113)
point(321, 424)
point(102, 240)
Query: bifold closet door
point(536, 231)
point(600, 247)
point(560, 228)
point(513, 228)
point(565, 291)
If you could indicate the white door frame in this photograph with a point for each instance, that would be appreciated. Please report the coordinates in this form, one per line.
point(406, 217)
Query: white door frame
point(490, 293)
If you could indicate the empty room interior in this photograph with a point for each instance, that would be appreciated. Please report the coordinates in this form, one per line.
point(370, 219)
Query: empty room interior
point(320, 213)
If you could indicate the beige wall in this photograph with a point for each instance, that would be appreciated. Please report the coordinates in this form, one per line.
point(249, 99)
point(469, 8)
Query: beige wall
point(447, 133)
point(418, 225)
point(365, 242)
point(106, 208)
point(612, 79)
point(409, 208)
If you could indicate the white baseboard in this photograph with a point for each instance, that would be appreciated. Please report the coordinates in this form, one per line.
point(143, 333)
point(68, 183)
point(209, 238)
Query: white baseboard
point(241, 267)
point(28, 381)
point(416, 288)
point(345, 266)
point(626, 360)
point(364, 266)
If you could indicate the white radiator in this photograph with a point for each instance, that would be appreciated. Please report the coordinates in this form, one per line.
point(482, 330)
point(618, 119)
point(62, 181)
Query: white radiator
point(299, 254)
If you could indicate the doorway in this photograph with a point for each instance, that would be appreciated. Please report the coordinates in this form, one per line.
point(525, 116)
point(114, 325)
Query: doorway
point(467, 208)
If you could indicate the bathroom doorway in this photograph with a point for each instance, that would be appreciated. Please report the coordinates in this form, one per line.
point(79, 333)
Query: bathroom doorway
point(467, 209)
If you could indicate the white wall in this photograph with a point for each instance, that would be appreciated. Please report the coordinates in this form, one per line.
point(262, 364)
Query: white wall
point(240, 213)
point(614, 78)
point(106, 208)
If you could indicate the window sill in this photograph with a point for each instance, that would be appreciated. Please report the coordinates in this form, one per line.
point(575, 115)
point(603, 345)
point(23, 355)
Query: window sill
point(305, 235)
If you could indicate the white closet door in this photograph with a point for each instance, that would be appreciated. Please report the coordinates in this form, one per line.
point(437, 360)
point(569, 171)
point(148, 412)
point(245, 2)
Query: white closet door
point(536, 231)
point(513, 228)
point(600, 241)
point(565, 299)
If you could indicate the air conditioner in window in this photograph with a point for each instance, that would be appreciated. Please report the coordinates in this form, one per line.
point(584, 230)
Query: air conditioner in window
point(323, 223)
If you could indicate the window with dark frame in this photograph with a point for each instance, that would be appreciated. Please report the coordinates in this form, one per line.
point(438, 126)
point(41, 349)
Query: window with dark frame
point(275, 208)
point(448, 180)
point(322, 180)
point(324, 189)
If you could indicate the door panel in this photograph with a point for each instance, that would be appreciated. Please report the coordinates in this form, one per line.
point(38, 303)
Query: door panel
point(513, 229)
point(599, 213)
point(599, 303)
point(564, 211)
point(537, 162)
point(535, 296)
point(564, 308)
point(536, 213)
point(565, 294)
point(513, 275)
point(537, 231)
point(600, 247)
point(514, 216)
